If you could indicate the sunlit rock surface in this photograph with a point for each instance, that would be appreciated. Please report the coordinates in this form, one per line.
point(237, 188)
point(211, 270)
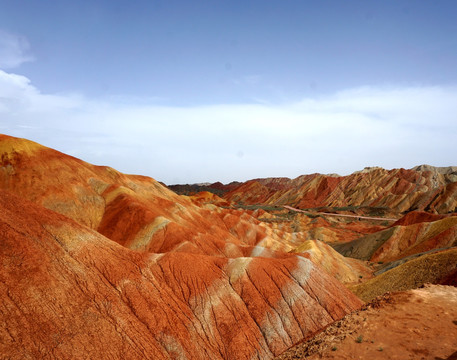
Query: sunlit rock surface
point(100, 264)
point(68, 292)
point(420, 188)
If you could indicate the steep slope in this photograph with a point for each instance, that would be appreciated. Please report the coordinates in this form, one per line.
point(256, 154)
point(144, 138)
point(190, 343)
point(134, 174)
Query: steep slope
point(68, 292)
point(65, 184)
point(135, 211)
point(421, 188)
point(413, 234)
point(416, 217)
point(346, 270)
point(436, 268)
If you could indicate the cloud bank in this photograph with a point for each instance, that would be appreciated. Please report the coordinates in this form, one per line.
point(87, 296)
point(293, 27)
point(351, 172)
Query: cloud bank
point(339, 133)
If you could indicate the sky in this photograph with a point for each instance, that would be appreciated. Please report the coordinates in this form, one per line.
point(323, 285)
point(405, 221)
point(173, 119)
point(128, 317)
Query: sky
point(206, 91)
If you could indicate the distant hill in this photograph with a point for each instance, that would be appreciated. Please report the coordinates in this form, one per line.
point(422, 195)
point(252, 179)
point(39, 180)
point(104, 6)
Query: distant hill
point(191, 189)
point(423, 188)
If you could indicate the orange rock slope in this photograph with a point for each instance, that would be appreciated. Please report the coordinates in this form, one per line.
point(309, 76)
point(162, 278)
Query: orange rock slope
point(68, 292)
point(415, 233)
point(98, 264)
point(136, 211)
point(421, 188)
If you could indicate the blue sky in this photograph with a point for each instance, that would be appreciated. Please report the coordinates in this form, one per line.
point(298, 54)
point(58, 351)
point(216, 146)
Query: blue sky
point(193, 91)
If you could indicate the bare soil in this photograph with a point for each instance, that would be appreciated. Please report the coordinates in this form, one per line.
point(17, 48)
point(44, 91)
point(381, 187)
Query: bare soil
point(414, 324)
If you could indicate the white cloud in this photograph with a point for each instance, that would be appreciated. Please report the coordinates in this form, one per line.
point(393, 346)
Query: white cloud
point(18, 95)
point(14, 50)
point(396, 127)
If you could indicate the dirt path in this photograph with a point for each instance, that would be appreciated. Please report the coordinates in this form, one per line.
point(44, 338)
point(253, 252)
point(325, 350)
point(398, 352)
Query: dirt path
point(416, 324)
point(343, 215)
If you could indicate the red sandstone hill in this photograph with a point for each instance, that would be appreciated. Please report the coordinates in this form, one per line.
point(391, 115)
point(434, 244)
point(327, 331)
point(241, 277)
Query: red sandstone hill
point(420, 188)
point(413, 234)
point(68, 292)
point(417, 217)
point(136, 211)
point(100, 264)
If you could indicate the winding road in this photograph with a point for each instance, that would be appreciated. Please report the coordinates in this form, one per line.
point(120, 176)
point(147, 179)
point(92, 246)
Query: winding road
point(343, 215)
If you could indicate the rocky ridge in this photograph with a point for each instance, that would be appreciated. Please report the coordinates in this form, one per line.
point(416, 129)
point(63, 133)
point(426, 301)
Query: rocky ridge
point(420, 188)
point(105, 265)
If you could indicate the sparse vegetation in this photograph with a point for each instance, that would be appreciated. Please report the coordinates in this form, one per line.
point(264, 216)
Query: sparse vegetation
point(345, 208)
point(377, 211)
point(410, 275)
point(359, 339)
point(192, 189)
point(311, 216)
point(275, 219)
point(268, 208)
point(295, 227)
point(334, 348)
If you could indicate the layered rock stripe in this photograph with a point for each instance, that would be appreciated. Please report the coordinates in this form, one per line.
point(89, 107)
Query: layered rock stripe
point(67, 291)
point(101, 264)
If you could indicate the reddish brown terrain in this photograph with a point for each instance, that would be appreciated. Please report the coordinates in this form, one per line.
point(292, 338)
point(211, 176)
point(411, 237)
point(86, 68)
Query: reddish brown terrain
point(100, 264)
point(416, 324)
point(404, 238)
point(67, 291)
point(422, 188)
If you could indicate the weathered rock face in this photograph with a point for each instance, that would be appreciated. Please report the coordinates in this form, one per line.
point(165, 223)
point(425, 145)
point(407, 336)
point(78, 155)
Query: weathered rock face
point(73, 187)
point(140, 214)
point(435, 268)
point(68, 292)
point(418, 238)
point(100, 264)
point(413, 234)
point(421, 188)
point(417, 217)
point(134, 211)
point(346, 270)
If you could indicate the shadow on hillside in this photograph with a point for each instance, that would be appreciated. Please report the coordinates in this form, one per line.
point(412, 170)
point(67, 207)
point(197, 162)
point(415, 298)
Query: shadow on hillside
point(452, 357)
